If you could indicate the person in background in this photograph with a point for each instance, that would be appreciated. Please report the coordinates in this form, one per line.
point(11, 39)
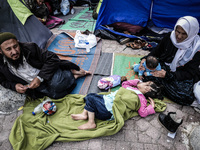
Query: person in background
point(27, 69)
point(38, 8)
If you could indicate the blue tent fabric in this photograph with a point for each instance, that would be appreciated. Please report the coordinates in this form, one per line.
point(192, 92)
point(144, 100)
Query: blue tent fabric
point(135, 12)
point(165, 13)
point(122, 34)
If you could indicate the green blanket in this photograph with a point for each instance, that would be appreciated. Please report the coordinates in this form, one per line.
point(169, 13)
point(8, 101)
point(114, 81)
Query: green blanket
point(38, 132)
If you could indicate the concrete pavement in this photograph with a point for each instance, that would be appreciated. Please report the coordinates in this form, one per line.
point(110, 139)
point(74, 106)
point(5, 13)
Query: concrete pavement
point(137, 134)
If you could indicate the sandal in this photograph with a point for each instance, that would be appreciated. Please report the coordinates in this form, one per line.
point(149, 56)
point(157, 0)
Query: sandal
point(132, 45)
point(141, 43)
point(137, 44)
point(122, 39)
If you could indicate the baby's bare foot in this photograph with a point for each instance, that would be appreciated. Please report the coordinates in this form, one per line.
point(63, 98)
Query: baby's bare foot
point(87, 126)
point(78, 116)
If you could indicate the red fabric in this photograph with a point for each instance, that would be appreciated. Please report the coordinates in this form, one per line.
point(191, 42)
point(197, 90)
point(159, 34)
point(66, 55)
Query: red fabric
point(53, 21)
point(49, 7)
point(127, 27)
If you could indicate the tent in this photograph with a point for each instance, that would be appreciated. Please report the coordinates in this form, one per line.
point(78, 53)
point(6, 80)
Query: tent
point(161, 13)
point(17, 19)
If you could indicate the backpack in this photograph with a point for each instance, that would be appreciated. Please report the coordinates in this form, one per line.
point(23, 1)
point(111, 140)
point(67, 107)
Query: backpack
point(109, 82)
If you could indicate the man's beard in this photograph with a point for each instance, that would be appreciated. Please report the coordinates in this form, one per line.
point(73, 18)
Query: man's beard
point(15, 63)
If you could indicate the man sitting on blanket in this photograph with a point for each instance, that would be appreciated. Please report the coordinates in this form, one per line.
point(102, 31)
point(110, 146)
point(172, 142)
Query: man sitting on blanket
point(26, 68)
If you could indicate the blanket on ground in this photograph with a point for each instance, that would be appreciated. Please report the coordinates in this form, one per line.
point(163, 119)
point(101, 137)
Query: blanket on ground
point(63, 45)
point(38, 132)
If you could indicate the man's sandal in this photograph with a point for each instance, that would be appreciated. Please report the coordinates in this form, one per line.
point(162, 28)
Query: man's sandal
point(137, 44)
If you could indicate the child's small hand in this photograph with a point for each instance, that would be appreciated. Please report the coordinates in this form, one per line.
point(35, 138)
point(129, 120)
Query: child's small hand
point(145, 73)
point(141, 77)
point(141, 67)
point(151, 102)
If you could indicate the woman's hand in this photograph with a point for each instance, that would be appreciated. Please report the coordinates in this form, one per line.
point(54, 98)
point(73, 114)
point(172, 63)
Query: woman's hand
point(160, 74)
point(151, 102)
point(141, 67)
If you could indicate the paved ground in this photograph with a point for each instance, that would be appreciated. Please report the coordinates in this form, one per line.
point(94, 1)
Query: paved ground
point(137, 133)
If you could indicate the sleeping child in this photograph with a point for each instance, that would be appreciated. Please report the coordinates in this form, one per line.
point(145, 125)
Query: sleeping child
point(100, 106)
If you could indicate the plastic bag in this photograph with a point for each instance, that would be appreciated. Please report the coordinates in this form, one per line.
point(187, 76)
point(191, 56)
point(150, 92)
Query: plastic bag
point(196, 90)
point(65, 7)
point(81, 40)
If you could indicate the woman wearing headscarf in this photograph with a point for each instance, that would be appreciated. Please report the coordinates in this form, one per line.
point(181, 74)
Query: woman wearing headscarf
point(179, 54)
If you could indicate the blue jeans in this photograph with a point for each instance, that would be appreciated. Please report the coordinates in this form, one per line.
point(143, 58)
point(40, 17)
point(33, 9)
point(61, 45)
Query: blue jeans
point(95, 103)
point(61, 84)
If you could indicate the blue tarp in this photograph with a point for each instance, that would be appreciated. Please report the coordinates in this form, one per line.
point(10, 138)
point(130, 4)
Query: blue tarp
point(135, 12)
point(165, 13)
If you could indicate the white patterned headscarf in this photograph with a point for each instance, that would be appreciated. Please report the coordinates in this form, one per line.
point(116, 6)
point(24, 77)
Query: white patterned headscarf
point(188, 47)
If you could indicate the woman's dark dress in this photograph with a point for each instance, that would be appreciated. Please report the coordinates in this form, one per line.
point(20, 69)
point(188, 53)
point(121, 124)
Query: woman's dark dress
point(178, 86)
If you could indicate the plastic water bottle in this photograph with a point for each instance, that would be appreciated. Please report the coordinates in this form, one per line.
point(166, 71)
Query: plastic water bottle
point(37, 109)
point(87, 47)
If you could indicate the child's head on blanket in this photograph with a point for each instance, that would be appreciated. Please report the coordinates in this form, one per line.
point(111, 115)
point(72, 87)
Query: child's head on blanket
point(150, 89)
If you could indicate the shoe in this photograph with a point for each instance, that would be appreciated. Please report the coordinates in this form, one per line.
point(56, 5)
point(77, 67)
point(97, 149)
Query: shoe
point(124, 40)
point(137, 44)
point(167, 122)
point(196, 106)
point(150, 46)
